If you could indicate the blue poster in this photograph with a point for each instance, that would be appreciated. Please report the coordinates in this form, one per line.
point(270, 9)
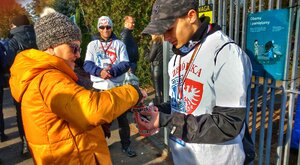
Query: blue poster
point(267, 36)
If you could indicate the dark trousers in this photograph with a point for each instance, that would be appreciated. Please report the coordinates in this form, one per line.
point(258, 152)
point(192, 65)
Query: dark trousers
point(124, 130)
point(19, 119)
point(157, 78)
point(1, 111)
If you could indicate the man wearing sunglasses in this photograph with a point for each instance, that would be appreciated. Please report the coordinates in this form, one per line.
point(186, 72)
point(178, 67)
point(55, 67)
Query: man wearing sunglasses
point(107, 61)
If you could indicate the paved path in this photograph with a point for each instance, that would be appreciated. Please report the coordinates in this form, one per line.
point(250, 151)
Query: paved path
point(149, 150)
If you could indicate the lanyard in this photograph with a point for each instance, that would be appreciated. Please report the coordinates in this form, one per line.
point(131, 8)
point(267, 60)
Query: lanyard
point(105, 50)
point(180, 87)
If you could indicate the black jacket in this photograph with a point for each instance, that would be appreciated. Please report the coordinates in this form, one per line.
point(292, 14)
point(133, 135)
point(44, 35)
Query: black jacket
point(131, 46)
point(156, 53)
point(3, 68)
point(21, 38)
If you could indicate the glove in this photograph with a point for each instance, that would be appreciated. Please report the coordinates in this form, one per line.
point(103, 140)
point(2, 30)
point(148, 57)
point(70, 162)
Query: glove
point(177, 125)
point(106, 130)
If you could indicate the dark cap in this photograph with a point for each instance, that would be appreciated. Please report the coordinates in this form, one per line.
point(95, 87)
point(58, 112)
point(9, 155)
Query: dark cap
point(165, 12)
point(20, 20)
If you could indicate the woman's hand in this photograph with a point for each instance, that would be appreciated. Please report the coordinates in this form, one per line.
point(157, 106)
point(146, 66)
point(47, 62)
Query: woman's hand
point(145, 95)
point(148, 119)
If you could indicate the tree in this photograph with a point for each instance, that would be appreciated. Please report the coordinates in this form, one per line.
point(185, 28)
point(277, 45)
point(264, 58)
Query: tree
point(30, 8)
point(9, 9)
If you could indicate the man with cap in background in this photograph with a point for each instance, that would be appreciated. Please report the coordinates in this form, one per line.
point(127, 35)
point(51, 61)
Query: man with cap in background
point(131, 46)
point(107, 62)
point(22, 37)
point(209, 77)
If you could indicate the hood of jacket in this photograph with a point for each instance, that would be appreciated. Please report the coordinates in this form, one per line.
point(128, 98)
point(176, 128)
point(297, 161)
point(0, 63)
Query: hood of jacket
point(25, 35)
point(30, 63)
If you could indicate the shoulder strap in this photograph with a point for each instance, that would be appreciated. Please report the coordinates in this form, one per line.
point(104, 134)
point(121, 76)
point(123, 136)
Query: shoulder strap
point(215, 59)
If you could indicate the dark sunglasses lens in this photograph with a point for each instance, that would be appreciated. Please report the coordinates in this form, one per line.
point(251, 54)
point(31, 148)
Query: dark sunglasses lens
point(75, 48)
point(103, 27)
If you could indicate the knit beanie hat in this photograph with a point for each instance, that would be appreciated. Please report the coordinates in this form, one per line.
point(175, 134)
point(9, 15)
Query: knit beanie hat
point(53, 29)
point(104, 21)
point(20, 20)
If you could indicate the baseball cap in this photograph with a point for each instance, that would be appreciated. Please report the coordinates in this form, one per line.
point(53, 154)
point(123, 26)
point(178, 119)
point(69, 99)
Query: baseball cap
point(104, 21)
point(165, 12)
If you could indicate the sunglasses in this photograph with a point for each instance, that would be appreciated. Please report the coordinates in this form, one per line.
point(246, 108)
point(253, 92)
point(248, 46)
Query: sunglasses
point(105, 27)
point(75, 48)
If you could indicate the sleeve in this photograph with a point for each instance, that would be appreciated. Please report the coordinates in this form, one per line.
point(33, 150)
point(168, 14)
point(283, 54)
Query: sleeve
point(232, 75)
point(164, 113)
point(153, 51)
point(222, 125)
point(125, 37)
point(123, 54)
point(13, 48)
point(89, 64)
point(119, 69)
point(84, 108)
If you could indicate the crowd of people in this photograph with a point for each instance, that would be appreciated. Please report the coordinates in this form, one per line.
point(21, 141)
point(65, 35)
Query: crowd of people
point(68, 123)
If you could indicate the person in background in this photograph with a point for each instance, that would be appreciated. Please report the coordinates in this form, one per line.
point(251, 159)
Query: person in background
point(209, 78)
point(3, 55)
point(22, 37)
point(107, 62)
point(61, 118)
point(131, 46)
point(156, 58)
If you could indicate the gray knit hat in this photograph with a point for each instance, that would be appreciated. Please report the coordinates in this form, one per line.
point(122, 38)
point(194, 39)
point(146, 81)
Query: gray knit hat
point(54, 28)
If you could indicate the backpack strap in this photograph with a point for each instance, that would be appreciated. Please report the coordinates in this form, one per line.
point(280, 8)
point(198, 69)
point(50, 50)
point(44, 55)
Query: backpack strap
point(215, 59)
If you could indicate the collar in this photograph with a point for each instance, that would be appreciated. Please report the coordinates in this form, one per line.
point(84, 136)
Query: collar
point(198, 37)
point(112, 37)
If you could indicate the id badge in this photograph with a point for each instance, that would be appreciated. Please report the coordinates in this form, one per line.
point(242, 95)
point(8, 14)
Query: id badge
point(177, 140)
point(180, 105)
point(105, 62)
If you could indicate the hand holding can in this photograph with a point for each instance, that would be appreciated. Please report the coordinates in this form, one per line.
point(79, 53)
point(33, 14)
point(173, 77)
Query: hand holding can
point(146, 118)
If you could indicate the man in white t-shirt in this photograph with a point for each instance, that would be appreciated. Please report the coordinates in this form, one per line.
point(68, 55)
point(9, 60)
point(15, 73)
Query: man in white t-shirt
point(209, 77)
point(107, 62)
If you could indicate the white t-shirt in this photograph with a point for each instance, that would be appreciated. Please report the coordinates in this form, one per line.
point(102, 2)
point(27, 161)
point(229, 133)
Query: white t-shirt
point(107, 53)
point(209, 84)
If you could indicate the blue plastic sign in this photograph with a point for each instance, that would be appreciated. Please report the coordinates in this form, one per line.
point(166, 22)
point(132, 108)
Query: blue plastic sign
point(267, 36)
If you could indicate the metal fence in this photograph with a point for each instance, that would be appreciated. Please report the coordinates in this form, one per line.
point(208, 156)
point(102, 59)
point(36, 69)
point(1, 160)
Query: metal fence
point(271, 103)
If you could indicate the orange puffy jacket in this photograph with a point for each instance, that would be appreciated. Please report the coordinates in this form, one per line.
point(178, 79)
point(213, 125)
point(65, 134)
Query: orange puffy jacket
point(61, 119)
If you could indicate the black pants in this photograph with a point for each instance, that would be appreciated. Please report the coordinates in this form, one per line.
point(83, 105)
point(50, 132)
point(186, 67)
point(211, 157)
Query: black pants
point(19, 119)
point(124, 130)
point(1, 111)
point(157, 78)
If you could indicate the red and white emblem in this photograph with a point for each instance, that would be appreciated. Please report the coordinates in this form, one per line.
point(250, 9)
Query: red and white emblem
point(193, 92)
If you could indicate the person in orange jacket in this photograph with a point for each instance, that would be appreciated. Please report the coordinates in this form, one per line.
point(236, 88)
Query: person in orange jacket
point(61, 118)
